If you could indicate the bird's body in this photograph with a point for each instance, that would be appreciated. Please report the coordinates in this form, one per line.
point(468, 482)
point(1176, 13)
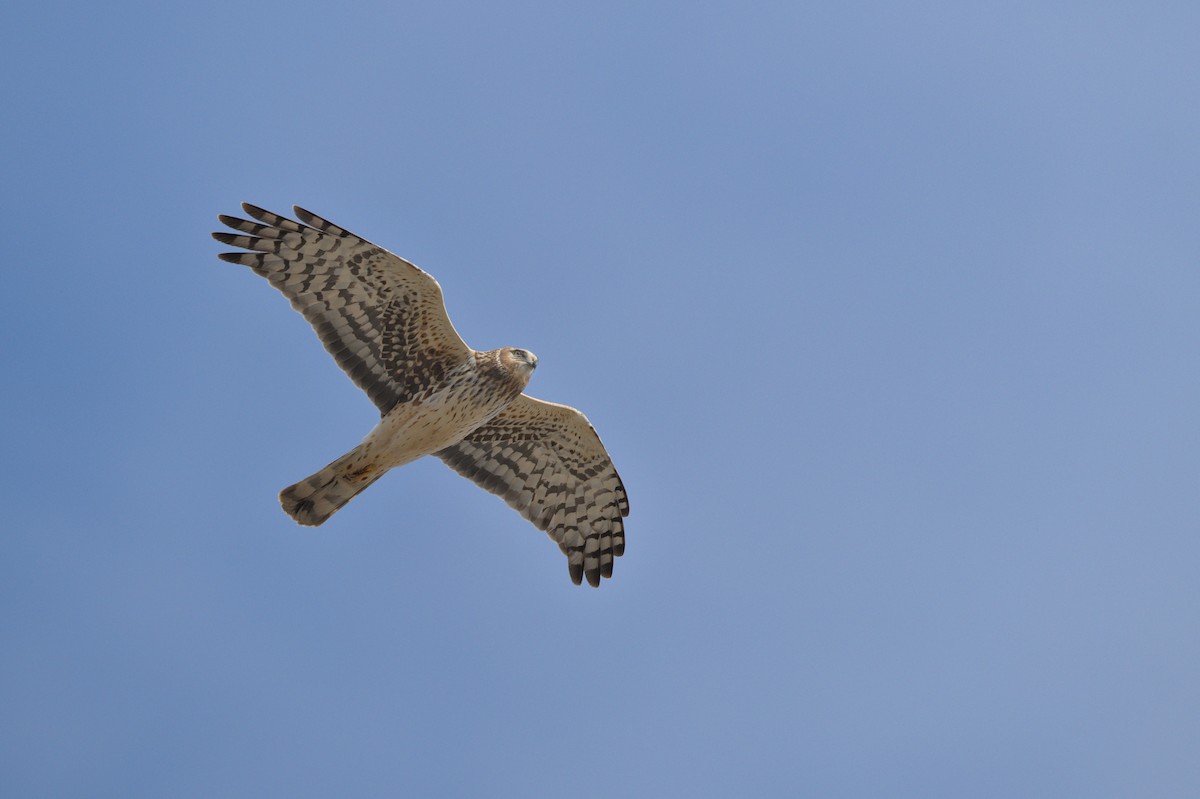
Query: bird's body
point(469, 396)
point(384, 322)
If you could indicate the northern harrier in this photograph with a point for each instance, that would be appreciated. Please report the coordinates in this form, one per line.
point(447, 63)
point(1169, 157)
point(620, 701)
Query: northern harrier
point(385, 324)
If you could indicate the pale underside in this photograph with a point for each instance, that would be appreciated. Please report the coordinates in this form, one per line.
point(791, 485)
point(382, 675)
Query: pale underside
point(384, 322)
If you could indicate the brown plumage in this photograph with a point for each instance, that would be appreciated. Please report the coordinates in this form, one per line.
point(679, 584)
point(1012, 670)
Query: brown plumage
point(384, 322)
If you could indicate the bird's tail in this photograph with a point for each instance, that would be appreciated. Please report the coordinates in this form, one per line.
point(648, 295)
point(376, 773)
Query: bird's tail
point(314, 499)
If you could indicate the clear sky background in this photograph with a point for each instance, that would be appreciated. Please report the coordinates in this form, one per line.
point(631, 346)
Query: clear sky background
point(887, 313)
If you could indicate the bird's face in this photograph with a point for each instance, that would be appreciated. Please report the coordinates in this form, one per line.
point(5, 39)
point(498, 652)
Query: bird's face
point(523, 358)
point(523, 362)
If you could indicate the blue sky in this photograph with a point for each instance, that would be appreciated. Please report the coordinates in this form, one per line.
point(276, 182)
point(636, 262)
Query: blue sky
point(886, 312)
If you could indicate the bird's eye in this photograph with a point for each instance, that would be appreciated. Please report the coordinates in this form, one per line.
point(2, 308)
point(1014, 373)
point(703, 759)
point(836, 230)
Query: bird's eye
point(520, 354)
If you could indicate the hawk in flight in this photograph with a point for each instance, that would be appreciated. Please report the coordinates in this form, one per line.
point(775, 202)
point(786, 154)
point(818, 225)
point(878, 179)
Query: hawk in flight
point(385, 324)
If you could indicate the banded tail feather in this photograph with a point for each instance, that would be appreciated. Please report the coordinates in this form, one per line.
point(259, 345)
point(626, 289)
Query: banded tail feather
point(317, 497)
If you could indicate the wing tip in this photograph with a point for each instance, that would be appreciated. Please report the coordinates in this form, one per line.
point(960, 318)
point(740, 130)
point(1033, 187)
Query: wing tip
point(320, 223)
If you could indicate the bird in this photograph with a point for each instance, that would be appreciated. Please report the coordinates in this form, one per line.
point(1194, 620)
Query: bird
point(384, 321)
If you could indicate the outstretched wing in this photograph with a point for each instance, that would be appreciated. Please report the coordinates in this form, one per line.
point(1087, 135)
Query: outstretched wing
point(382, 318)
point(547, 462)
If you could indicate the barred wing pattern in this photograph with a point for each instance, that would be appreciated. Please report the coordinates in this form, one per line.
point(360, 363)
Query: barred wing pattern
point(546, 461)
point(381, 318)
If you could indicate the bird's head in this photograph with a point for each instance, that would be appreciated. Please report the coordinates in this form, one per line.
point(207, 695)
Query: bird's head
point(518, 361)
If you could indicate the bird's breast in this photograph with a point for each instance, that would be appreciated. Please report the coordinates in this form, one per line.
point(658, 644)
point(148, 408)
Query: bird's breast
point(430, 424)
